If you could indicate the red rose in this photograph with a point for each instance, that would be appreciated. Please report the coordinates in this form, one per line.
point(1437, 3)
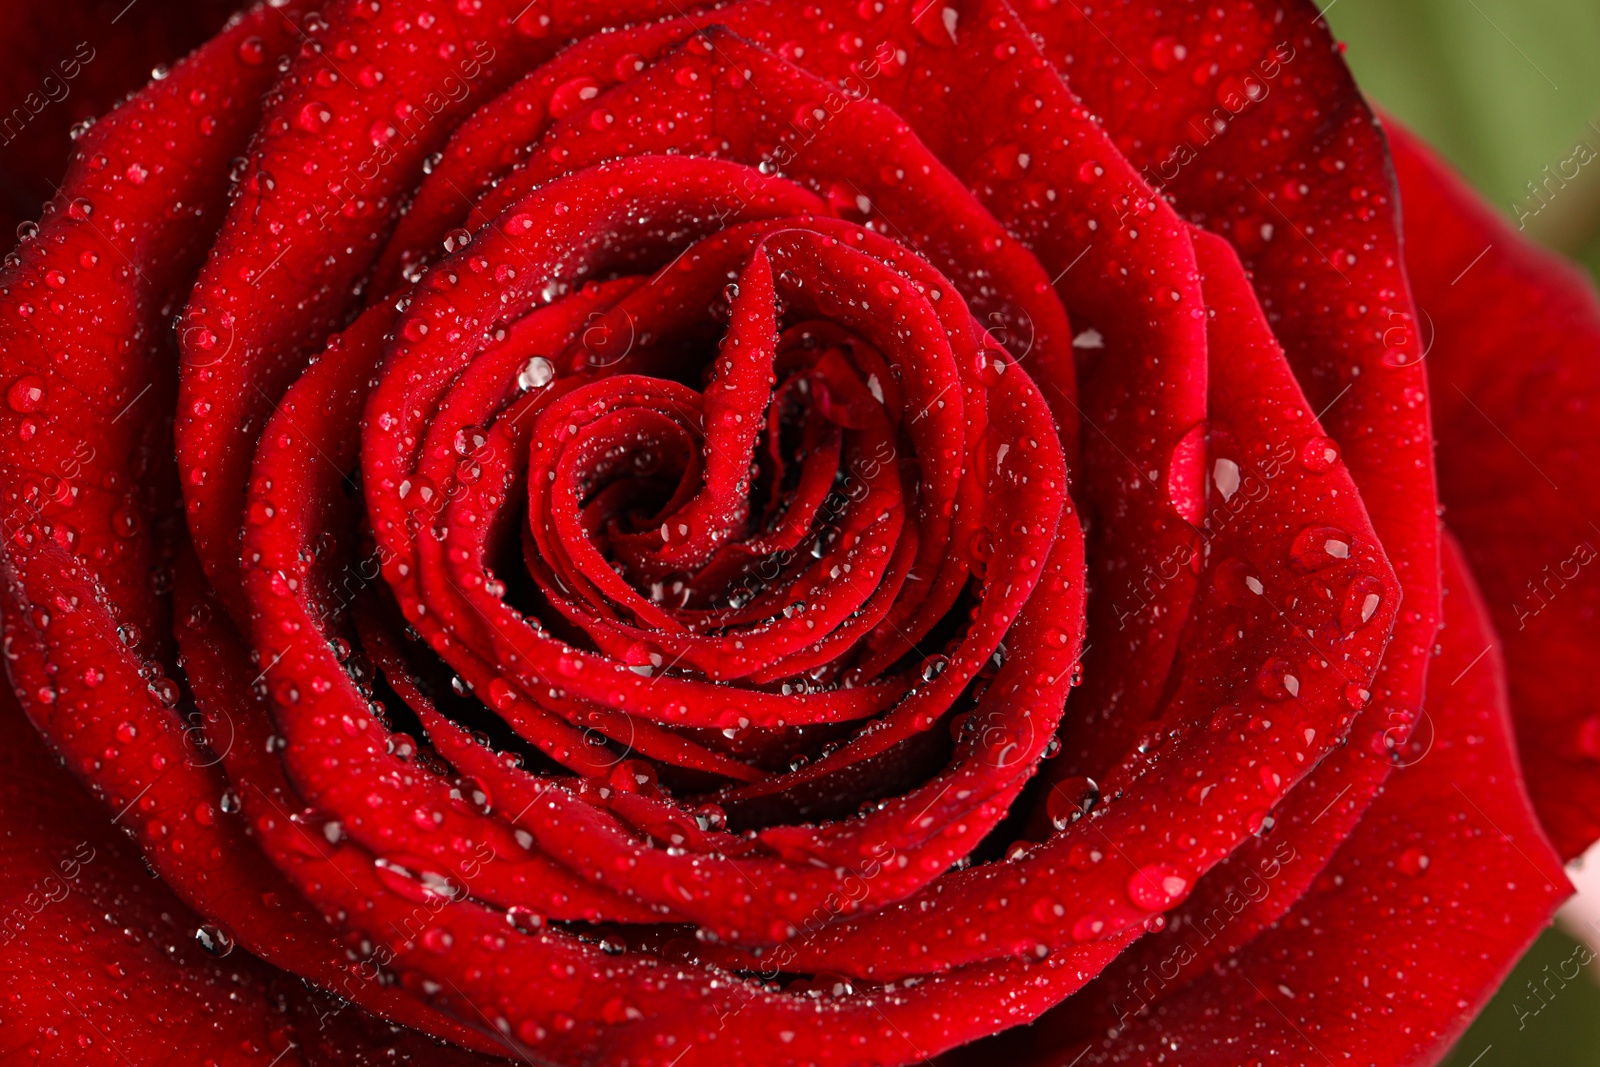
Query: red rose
point(572, 532)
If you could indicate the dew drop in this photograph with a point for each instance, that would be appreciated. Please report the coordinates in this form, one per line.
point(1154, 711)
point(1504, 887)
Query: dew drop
point(1088, 928)
point(1362, 599)
point(214, 939)
point(314, 116)
point(1319, 454)
point(536, 374)
point(1277, 680)
point(1157, 886)
point(1414, 862)
point(26, 394)
point(252, 51)
point(411, 880)
point(1167, 52)
point(1317, 547)
point(1225, 476)
point(1070, 800)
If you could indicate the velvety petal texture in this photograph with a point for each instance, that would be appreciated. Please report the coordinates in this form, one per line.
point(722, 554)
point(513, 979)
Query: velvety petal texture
point(778, 532)
point(63, 65)
point(1513, 337)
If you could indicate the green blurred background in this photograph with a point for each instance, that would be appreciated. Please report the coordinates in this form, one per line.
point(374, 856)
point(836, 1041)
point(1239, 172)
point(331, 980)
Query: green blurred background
point(1504, 88)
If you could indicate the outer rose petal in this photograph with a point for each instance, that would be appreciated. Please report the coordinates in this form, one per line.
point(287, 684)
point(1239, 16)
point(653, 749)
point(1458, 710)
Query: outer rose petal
point(1516, 384)
point(100, 277)
point(109, 954)
point(1413, 925)
point(1247, 117)
point(61, 63)
point(128, 980)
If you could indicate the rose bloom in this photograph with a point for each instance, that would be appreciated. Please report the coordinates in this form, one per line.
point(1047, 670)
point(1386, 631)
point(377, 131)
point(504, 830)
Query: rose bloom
point(801, 531)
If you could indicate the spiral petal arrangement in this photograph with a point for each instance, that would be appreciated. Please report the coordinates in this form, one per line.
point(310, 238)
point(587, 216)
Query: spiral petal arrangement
point(810, 532)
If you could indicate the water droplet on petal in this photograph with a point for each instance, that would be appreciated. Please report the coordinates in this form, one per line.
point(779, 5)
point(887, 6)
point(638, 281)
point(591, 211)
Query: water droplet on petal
point(536, 374)
point(524, 920)
point(1088, 928)
point(252, 51)
point(1167, 52)
point(314, 116)
point(26, 394)
point(1157, 886)
point(1225, 476)
point(214, 939)
point(1414, 862)
point(1317, 547)
point(1070, 800)
point(1319, 454)
point(1362, 599)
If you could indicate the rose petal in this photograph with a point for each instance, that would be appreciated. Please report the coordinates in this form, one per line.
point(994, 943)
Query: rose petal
point(1299, 181)
point(110, 955)
point(1513, 369)
point(262, 261)
point(1266, 667)
point(1408, 932)
point(69, 63)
